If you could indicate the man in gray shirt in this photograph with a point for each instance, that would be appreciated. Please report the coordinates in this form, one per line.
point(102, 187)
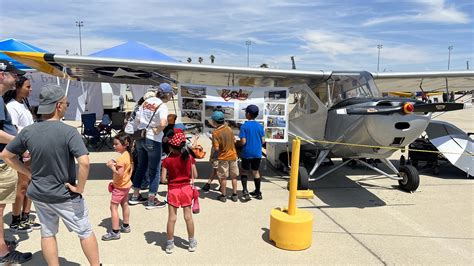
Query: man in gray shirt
point(53, 146)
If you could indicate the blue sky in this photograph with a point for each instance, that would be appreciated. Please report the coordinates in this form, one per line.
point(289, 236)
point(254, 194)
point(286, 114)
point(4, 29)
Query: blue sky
point(328, 35)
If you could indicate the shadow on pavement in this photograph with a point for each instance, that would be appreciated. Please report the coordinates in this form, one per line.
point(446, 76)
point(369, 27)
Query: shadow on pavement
point(159, 238)
point(266, 236)
point(38, 259)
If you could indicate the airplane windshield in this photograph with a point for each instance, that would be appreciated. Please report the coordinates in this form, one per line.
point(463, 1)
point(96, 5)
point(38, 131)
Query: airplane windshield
point(352, 84)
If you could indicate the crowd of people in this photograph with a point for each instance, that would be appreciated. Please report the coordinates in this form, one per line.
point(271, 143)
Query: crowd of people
point(38, 165)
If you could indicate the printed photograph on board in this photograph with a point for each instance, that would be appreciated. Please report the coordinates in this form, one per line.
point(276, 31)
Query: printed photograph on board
point(242, 107)
point(275, 96)
point(226, 107)
point(191, 116)
point(193, 92)
point(275, 133)
point(275, 121)
point(192, 128)
point(275, 109)
point(192, 104)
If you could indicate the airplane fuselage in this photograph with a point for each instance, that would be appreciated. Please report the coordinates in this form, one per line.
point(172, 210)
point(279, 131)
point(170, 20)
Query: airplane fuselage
point(395, 130)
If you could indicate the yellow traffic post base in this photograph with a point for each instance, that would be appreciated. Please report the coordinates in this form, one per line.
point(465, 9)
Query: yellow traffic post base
point(292, 228)
point(304, 194)
point(291, 232)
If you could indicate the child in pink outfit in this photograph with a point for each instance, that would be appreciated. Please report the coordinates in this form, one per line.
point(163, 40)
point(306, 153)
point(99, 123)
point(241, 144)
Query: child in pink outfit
point(122, 174)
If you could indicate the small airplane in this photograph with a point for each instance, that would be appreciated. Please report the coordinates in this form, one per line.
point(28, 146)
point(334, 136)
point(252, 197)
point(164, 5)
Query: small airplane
point(328, 108)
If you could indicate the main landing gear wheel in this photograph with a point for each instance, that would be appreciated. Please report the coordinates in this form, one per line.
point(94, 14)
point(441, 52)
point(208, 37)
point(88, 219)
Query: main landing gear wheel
point(411, 179)
point(303, 178)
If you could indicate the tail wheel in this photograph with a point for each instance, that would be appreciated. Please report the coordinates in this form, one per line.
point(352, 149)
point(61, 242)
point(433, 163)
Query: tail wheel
point(303, 178)
point(410, 178)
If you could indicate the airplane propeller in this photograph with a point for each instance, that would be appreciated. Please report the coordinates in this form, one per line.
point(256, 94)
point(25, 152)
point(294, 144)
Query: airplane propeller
point(406, 108)
point(437, 107)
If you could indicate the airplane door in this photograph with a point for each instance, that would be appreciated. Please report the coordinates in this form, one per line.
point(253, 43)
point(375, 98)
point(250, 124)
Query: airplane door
point(307, 114)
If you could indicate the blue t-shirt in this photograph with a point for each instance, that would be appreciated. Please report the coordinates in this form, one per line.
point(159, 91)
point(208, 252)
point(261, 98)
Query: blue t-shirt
point(6, 120)
point(252, 131)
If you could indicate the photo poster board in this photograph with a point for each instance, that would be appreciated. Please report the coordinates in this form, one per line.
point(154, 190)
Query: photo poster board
point(198, 102)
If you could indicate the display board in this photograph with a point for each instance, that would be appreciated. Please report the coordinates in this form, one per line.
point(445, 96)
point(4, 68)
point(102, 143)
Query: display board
point(198, 102)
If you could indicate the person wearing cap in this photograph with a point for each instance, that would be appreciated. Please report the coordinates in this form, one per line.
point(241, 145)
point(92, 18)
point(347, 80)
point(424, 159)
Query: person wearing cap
point(251, 139)
point(152, 116)
point(8, 176)
point(55, 193)
point(131, 127)
point(223, 142)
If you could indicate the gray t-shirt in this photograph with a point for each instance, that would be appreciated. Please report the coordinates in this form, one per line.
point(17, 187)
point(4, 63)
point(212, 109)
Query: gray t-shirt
point(53, 146)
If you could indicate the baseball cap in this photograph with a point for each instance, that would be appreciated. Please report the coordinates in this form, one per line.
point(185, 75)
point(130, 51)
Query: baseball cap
point(166, 88)
point(149, 95)
point(251, 109)
point(218, 116)
point(50, 94)
point(7, 66)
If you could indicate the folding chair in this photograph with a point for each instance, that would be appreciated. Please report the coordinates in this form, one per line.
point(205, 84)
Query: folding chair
point(118, 122)
point(91, 133)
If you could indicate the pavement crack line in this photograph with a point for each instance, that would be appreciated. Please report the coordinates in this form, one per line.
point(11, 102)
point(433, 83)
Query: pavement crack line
point(343, 228)
point(350, 234)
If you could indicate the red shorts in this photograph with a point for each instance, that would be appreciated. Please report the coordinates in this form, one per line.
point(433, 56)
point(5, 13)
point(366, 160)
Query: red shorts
point(180, 197)
point(119, 195)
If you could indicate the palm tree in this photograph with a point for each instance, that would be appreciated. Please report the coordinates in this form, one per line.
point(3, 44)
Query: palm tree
point(212, 57)
point(200, 60)
point(189, 60)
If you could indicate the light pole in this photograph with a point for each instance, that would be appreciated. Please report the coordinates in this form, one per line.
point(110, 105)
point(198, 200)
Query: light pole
point(449, 62)
point(80, 24)
point(248, 43)
point(379, 46)
point(449, 55)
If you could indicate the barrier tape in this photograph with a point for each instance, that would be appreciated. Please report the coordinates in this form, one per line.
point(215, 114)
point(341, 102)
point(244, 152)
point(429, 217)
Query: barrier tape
point(380, 147)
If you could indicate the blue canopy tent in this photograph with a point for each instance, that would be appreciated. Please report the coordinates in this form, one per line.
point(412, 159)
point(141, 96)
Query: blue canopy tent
point(133, 50)
point(19, 46)
point(130, 50)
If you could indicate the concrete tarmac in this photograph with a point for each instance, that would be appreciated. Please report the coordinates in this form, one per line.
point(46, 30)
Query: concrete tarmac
point(359, 218)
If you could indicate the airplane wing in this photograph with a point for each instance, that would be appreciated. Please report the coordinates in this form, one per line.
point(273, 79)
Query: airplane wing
point(430, 81)
point(114, 70)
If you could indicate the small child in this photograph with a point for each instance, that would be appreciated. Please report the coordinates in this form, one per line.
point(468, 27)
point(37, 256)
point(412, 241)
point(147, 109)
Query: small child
point(223, 142)
point(122, 173)
point(178, 169)
point(251, 139)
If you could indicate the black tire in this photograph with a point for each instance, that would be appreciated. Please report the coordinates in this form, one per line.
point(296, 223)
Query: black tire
point(411, 178)
point(402, 160)
point(303, 178)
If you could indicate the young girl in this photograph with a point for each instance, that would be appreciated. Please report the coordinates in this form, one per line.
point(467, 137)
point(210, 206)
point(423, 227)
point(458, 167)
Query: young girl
point(178, 169)
point(122, 173)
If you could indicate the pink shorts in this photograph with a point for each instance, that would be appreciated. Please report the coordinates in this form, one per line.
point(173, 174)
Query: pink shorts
point(119, 195)
point(180, 197)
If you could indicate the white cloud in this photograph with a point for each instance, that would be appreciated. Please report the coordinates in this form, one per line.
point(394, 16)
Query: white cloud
point(277, 29)
point(430, 11)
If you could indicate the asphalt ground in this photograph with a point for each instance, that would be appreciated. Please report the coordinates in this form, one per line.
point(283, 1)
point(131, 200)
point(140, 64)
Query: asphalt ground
point(359, 218)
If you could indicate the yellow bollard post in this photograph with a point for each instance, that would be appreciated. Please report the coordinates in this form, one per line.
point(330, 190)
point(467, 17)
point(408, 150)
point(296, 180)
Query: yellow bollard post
point(295, 162)
point(291, 228)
